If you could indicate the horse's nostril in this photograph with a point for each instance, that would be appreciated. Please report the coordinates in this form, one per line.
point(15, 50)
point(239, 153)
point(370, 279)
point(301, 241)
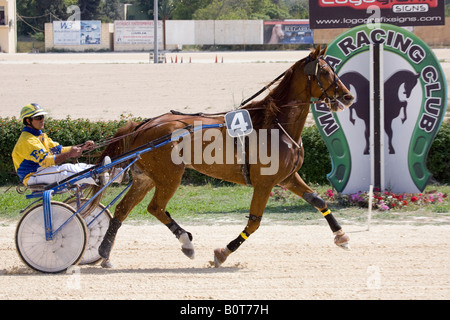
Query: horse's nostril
point(348, 97)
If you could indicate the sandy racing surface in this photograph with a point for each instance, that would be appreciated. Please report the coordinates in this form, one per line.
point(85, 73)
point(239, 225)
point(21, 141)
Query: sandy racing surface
point(279, 261)
point(103, 86)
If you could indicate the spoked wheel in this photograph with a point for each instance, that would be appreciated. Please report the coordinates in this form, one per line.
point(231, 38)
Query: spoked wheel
point(97, 226)
point(56, 255)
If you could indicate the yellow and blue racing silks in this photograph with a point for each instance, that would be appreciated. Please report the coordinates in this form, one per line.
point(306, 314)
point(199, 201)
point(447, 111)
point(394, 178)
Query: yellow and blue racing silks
point(34, 150)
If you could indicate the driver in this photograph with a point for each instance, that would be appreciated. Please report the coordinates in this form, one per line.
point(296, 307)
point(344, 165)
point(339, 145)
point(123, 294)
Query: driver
point(38, 159)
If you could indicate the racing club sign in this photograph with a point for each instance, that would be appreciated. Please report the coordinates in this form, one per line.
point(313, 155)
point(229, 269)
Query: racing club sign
point(400, 101)
point(350, 13)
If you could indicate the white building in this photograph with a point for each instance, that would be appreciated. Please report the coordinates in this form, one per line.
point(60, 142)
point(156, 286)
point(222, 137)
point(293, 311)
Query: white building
point(8, 26)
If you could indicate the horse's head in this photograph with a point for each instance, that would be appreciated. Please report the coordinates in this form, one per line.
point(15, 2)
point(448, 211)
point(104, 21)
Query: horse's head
point(323, 83)
point(410, 81)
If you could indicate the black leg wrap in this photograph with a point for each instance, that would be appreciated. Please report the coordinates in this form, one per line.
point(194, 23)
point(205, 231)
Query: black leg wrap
point(176, 229)
point(108, 240)
point(334, 225)
point(314, 200)
point(236, 243)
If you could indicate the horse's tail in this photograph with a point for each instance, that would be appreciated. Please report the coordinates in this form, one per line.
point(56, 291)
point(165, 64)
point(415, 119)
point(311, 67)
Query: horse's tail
point(114, 149)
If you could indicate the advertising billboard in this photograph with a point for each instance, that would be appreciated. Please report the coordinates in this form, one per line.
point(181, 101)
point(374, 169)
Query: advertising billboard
point(136, 32)
point(325, 14)
point(287, 32)
point(77, 32)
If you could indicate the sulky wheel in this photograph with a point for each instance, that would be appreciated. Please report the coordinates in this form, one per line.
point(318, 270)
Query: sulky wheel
point(97, 226)
point(56, 255)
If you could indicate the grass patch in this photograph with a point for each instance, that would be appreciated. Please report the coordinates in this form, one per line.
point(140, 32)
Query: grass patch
point(209, 204)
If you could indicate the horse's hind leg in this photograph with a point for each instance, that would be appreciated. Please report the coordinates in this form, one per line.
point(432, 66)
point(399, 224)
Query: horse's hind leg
point(142, 184)
point(296, 185)
point(164, 191)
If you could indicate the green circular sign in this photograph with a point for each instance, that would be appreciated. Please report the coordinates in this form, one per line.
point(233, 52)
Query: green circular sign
point(413, 96)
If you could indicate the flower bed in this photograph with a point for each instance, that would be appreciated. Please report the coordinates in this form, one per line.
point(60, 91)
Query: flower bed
point(387, 200)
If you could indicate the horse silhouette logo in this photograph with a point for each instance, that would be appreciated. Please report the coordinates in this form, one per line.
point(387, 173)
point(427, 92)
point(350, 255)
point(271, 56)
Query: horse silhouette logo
point(394, 98)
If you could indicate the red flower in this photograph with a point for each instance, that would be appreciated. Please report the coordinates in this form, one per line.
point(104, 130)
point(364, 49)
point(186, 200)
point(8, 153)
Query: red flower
point(405, 203)
point(414, 199)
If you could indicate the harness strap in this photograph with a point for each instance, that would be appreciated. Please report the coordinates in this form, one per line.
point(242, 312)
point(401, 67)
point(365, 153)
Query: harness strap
point(262, 90)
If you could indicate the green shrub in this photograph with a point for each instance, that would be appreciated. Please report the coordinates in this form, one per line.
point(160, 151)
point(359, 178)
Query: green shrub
point(317, 162)
point(438, 161)
point(9, 133)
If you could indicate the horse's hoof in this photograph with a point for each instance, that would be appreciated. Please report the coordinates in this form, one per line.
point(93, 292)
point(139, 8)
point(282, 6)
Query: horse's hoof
point(342, 241)
point(190, 253)
point(105, 249)
point(107, 264)
point(220, 255)
point(186, 245)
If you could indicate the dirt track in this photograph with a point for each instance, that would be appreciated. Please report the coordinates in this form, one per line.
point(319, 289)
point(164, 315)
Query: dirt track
point(280, 262)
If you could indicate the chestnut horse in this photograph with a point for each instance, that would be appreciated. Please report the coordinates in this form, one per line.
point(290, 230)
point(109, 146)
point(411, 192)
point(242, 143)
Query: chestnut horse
point(282, 113)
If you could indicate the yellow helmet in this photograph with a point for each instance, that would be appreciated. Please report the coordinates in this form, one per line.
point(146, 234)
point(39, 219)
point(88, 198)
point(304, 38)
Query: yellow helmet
point(31, 110)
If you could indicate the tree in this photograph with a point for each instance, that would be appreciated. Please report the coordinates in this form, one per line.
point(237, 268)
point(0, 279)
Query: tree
point(33, 14)
point(298, 9)
point(243, 9)
point(185, 9)
point(89, 9)
point(110, 10)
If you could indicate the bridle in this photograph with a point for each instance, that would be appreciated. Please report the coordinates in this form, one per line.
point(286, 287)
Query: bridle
point(313, 69)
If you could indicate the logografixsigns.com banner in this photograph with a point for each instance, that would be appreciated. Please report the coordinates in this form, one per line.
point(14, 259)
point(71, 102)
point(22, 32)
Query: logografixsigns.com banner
point(326, 14)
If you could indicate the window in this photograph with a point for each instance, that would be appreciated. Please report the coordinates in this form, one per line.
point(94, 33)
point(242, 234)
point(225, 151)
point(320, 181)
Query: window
point(2, 15)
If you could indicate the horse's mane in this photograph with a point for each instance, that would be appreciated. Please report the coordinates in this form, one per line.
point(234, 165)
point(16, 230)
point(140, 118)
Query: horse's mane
point(265, 111)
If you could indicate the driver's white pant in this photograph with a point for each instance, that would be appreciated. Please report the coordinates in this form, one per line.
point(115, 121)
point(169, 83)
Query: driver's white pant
point(60, 172)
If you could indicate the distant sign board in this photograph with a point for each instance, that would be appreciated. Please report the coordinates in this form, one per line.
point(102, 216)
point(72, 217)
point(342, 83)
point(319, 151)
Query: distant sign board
point(136, 32)
point(287, 32)
point(76, 32)
point(350, 13)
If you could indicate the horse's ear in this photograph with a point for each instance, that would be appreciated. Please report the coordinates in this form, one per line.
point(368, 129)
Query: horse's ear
point(322, 53)
point(316, 53)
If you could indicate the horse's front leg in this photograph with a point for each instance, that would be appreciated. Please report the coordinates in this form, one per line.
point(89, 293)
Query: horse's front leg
point(404, 112)
point(258, 204)
point(352, 119)
point(296, 185)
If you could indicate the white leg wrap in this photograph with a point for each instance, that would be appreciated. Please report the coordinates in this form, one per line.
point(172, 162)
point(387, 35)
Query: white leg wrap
point(186, 245)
